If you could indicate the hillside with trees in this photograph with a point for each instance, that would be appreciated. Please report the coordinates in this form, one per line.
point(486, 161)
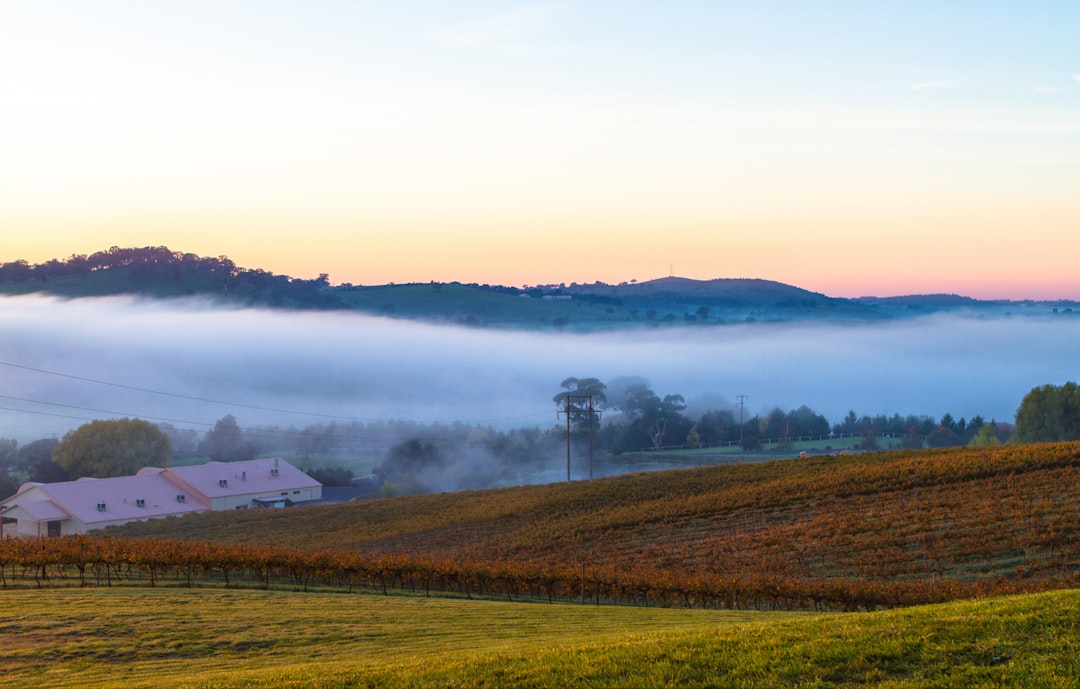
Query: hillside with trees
point(161, 273)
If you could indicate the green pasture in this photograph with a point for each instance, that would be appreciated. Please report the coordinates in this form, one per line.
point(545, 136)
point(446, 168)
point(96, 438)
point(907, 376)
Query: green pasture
point(729, 454)
point(217, 639)
point(457, 303)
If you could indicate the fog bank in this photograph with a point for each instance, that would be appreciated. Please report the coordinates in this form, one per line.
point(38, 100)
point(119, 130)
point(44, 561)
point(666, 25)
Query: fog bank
point(190, 363)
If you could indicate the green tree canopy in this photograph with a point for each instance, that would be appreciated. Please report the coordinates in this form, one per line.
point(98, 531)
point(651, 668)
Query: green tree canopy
point(649, 420)
point(115, 447)
point(987, 436)
point(578, 396)
point(1049, 413)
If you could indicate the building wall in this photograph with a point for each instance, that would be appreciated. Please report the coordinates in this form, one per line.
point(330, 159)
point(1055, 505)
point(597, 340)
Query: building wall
point(26, 526)
point(234, 502)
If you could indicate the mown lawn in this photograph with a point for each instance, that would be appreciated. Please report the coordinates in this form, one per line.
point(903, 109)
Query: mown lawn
point(141, 638)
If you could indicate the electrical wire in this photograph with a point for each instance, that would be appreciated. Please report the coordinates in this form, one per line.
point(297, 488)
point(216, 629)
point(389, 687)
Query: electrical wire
point(238, 404)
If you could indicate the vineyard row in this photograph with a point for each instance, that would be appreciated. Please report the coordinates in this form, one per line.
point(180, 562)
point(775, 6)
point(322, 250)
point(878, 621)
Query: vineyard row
point(87, 561)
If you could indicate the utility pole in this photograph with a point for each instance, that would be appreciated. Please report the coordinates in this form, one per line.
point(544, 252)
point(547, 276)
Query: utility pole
point(742, 405)
point(568, 438)
point(592, 414)
point(570, 410)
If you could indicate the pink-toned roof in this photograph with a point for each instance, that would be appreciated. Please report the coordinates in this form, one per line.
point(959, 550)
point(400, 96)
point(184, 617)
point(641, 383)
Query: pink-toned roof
point(154, 492)
point(243, 478)
point(44, 510)
point(121, 497)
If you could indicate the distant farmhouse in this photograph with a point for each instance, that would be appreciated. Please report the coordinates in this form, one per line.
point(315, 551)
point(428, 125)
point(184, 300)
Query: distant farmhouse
point(72, 507)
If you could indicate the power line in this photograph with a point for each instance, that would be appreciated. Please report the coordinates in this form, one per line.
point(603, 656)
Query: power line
point(281, 434)
point(45, 413)
point(177, 395)
point(237, 404)
point(91, 409)
point(263, 432)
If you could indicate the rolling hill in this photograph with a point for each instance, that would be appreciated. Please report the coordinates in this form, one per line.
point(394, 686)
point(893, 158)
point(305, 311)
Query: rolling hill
point(861, 532)
point(160, 273)
point(888, 529)
point(142, 638)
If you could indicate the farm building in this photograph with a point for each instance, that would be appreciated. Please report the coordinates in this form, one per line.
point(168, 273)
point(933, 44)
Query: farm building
point(55, 509)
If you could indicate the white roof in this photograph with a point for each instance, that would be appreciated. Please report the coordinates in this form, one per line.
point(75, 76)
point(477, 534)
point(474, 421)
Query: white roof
point(44, 511)
point(155, 492)
point(121, 497)
point(243, 478)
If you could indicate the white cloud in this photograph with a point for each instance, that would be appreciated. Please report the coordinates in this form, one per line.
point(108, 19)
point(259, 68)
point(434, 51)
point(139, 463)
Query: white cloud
point(1076, 78)
point(1046, 90)
point(507, 32)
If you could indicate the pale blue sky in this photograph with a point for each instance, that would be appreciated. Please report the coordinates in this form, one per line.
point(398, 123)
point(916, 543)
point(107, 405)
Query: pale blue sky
point(784, 140)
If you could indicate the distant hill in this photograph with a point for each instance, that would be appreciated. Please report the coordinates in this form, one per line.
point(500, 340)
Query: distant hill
point(158, 272)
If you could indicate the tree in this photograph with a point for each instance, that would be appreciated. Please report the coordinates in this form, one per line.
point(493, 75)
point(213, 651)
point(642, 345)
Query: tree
point(942, 436)
point(850, 425)
point(332, 476)
point(1049, 413)
point(9, 452)
point(717, 426)
point(913, 434)
point(115, 447)
point(582, 387)
point(36, 452)
point(949, 422)
point(751, 434)
point(225, 442)
point(806, 422)
point(408, 463)
point(986, 437)
point(8, 485)
point(48, 471)
point(693, 438)
point(777, 428)
point(869, 432)
point(973, 427)
point(580, 393)
point(651, 419)
point(185, 441)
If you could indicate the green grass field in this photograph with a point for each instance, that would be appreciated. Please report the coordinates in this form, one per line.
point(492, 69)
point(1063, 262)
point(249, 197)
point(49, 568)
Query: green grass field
point(202, 639)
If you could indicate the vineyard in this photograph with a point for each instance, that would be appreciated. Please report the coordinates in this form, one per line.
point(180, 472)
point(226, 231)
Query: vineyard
point(840, 533)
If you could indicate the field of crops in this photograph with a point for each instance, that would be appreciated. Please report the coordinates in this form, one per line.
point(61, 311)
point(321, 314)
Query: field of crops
point(881, 529)
point(140, 638)
point(697, 577)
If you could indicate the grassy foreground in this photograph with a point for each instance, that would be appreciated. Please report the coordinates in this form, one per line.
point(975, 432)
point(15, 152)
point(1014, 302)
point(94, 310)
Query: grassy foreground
point(102, 638)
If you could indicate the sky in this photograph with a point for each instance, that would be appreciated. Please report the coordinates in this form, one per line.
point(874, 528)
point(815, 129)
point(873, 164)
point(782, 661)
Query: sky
point(851, 148)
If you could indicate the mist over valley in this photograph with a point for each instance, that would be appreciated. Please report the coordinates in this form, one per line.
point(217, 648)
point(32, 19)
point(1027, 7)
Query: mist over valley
point(190, 362)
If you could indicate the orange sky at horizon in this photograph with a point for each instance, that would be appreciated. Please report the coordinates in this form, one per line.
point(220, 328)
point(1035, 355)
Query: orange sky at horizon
point(879, 264)
point(915, 149)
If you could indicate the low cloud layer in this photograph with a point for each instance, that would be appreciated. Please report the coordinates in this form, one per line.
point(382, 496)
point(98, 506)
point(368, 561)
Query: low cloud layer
point(299, 368)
